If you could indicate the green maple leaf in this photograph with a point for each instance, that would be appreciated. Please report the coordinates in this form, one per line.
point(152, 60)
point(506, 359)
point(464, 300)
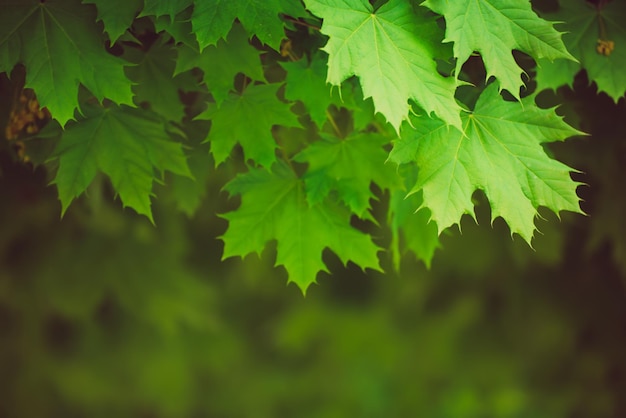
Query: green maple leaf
point(494, 28)
point(247, 119)
point(392, 51)
point(61, 47)
point(211, 19)
point(499, 152)
point(348, 166)
point(273, 207)
point(155, 84)
point(411, 230)
point(307, 82)
point(586, 25)
point(185, 192)
point(362, 110)
point(126, 144)
point(116, 15)
point(164, 7)
point(221, 63)
point(178, 27)
point(552, 75)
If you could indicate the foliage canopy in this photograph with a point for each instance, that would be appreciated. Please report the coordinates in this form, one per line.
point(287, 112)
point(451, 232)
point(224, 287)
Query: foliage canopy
point(315, 110)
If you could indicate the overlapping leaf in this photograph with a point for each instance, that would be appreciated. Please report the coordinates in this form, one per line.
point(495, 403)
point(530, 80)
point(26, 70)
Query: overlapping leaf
point(164, 7)
point(126, 144)
point(187, 193)
point(348, 166)
point(247, 119)
point(155, 84)
point(500, 152)
point(273, 207)
point(60, 45)
point(116, 15)
point(306, 81)
point(222, 62)
point(495, 28)
point(211, 19)
point(392, 50)
point(411, 230)
point(587, 28)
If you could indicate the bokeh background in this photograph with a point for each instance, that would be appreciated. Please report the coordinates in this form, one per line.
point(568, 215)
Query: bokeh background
point(104, 315)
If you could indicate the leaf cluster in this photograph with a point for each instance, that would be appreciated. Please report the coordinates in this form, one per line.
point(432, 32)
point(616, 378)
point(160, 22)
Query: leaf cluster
point(313, 110)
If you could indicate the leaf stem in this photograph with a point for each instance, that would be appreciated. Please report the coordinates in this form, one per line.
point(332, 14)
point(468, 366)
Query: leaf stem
point(334, 124)
point(603, 34)
point(299, 22)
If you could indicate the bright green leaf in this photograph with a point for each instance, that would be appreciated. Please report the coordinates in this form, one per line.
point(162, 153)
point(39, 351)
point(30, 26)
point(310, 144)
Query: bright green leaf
point(495, 28)
point(499, 152)
point(411, 230)
point(392, 51)
point(348, 166)
point(273, 207)
point(307, 82)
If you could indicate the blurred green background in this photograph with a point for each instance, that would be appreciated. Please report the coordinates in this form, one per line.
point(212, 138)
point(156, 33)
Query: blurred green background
point(104, 315)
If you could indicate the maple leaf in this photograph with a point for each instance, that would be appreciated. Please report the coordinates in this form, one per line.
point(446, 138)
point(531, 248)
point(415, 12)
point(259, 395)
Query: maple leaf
point(126, 144)
point(178, 27)
point(247, 119)
point(164, 7)
point(392, 51)
point(552, 75)
point(185, 192)
point(212, 19)
point(587, 26)
point(348, 166)
point(273, 207)
point(307, 82)
point(411, 230)
point(494, 28)
point(221, 63)
point(362, 110)
point(155, 67)
point(499, 152)
point(116, 15)
point(61, 47)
